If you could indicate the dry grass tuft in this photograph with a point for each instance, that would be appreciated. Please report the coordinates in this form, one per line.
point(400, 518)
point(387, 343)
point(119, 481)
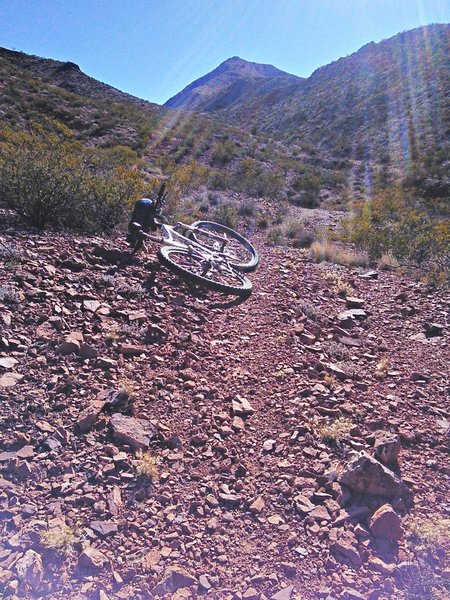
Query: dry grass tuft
point(388, 262)
point(126, 387)
point(327, 252)
point(336, 431)
point(429, 533)
point(330, 381)
point(382, 368)
point(61, 539)
point(342, 288)
point(147, 465)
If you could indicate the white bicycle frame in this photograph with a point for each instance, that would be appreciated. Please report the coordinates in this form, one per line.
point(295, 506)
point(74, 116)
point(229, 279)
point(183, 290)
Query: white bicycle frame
point(170, 237)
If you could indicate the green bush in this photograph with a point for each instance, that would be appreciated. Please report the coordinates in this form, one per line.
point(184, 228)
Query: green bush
point(403, 226)
point(251, 178)
point(226, 214)
point(307, 199)
point(223, 152)
point(50, 179)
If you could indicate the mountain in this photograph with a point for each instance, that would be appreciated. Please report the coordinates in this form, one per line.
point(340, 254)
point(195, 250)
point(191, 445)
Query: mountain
point(386, 104)
point(232, 82)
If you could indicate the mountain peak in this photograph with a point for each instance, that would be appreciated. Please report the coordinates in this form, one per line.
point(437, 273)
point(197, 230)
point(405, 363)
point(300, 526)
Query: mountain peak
point(230, 80)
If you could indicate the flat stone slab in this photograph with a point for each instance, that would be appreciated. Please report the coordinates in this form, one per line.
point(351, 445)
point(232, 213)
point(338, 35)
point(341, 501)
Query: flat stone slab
point(138, 433)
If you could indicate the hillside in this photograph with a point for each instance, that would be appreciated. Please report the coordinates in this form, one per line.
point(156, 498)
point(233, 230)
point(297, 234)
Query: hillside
point(387, 104)
point(254, 415)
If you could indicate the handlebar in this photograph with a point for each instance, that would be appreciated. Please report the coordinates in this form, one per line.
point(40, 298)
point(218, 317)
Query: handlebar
point(160, 199)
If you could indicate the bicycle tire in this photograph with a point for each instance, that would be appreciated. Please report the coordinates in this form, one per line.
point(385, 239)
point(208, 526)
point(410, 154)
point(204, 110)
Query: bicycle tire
point(249, 259)
point(172, 256)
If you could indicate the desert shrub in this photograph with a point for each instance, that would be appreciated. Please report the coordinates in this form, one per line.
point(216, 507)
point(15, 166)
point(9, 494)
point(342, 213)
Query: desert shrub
point(299, 236)
point(223, 152)
point(50, 179)
point(226, 214)
point(306, 180)
point(263, 222)
point(306, 199)
point(219, 179)
point(335, 431)
point(275, 236)
point(247, 208)
point(250, 177)
point(183, 180)
point(403, 226)
point(292, 232)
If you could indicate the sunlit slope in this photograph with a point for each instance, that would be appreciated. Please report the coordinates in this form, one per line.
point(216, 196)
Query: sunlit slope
point(388, 103)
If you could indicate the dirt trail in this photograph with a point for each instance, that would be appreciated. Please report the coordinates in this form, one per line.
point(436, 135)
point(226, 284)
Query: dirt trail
point(234, 399)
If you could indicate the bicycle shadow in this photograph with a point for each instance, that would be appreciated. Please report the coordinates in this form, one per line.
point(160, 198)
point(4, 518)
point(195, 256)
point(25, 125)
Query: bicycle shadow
point(214, 299)
point(210, 298)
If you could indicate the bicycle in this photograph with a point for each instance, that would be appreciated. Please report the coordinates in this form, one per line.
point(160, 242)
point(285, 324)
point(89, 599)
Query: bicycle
point(205, 252)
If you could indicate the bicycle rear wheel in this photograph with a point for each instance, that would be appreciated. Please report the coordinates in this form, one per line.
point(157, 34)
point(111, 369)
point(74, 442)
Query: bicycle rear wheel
point(214, 275)
point(236, 248)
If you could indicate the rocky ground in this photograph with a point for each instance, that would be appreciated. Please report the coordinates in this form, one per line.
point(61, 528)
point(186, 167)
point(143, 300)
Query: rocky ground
point(159, 441)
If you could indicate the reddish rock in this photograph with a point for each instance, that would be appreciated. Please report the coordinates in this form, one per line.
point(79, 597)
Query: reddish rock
point(385, 523)
point(87, 418)
point(91, 305)
point(283, 594)
point(257, 505)
point(10, 380)
point(242, 407)
point(106, 363)
point(378, 565)
point(104, 528)
point(138, 433)
point(87, 351)
point(174, 579)
point(92, 559)
point(30, 569)
point(71, 344)
point(131, 350)
point(353, 302)
point(345, 546)
point(8, 363)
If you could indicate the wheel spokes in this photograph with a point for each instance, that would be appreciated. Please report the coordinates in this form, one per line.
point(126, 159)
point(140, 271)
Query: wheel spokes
point(208, 268)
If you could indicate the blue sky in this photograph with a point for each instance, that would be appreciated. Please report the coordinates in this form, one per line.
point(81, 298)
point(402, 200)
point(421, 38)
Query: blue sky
point(154, 48)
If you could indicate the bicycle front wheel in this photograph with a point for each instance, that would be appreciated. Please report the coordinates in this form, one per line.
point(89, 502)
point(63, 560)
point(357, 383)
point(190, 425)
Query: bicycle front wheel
point(236, 248)
point(217, 276)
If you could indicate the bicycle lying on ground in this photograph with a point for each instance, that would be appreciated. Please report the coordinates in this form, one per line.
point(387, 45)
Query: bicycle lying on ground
point(205, 253)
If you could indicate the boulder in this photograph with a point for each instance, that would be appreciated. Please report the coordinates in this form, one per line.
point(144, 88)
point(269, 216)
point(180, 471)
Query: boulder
point(365, 475)
point(385, 523)
point(174, 579)
point(30, 569)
